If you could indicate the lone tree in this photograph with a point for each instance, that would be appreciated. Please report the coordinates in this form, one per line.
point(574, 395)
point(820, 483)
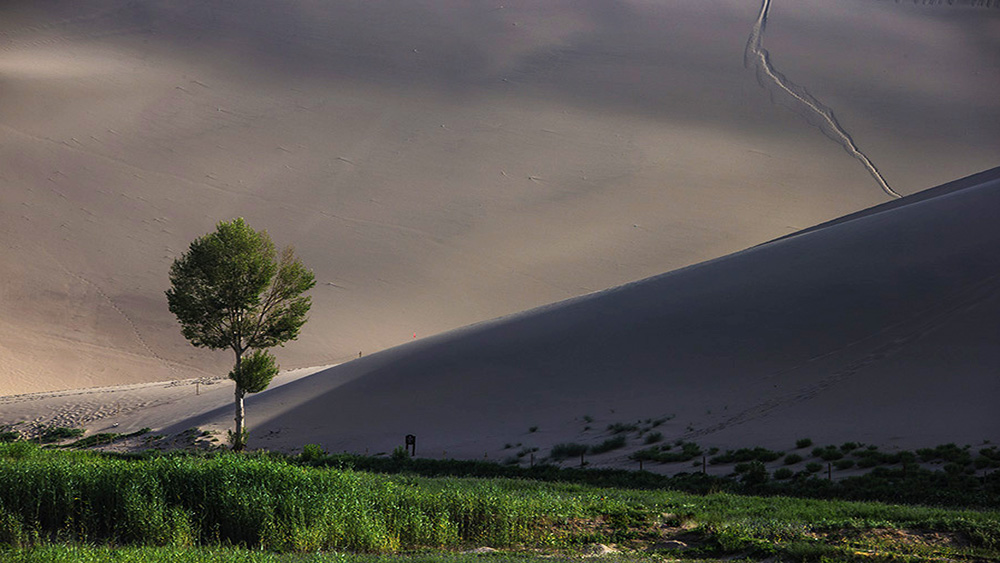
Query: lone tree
point(232, 290)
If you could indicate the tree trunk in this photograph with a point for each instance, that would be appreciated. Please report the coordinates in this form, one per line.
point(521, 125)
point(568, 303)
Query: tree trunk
point(239, 434)
point(239, 437)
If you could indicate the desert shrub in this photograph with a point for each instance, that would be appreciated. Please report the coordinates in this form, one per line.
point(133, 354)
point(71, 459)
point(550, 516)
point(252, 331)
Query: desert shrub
point(560, 452)
point(844, 464)
point(653, 437)
point(620, 427)
point(783, 473)
point(99, 439)
point(526, 451)
point(755, 474)
point(660, 421)
point(792, 459)
point(688, 451)
point(610, 444)
point(7, 437)
point(947, 452)
point(745, 454)
point(829, 453)
point(849, 447)
point(56, 433)
point(813, 467)
point(533, 429)
point(803, 443)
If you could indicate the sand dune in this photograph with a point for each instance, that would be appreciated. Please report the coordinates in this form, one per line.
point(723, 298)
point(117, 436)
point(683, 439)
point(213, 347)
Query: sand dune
point(877, 327)
point(436, 163)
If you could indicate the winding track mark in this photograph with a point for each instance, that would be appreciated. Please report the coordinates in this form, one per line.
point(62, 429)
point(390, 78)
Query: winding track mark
point(114, 305)
point(756, 54)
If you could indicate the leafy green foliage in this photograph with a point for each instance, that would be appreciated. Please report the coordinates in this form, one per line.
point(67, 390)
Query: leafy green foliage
point(662, 454)
point(829, 453)
point(57, 433)
point(803, 443)
point(255, 372)
point(232, 290)
point(745, 454)
point(792, 459)
point(560, 452)
point(608, 445)
point(783, 473)
point(621, 427)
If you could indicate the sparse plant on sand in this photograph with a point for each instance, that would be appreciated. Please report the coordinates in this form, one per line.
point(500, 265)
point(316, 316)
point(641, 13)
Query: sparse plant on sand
point(231, 290)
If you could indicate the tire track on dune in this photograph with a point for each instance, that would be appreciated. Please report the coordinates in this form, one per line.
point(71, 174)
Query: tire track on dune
point(916, 326)
point(756, 55)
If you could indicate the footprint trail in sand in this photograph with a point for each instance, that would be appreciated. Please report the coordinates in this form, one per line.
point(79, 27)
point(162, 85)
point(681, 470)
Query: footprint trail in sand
point(758, 56)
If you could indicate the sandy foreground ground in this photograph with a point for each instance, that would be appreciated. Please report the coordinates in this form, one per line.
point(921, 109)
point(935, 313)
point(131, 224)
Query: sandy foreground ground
point(439, 163)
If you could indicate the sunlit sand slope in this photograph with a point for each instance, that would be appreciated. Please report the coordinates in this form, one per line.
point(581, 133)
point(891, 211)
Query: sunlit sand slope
point(879, 328)
point(438, 163)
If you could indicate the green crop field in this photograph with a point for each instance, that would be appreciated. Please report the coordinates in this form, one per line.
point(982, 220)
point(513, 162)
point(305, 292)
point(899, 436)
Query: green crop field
point(58, 505)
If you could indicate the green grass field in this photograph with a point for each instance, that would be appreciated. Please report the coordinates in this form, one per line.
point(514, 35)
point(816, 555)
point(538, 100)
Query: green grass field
point(58, 505)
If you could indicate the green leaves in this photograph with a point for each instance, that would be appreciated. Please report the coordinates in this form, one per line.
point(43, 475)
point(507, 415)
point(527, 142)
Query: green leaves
point(231, 290)
point(254, 372)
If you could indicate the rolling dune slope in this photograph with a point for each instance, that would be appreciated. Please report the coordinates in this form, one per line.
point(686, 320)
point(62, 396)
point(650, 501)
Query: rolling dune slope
point(439, 162)
point(881, 328)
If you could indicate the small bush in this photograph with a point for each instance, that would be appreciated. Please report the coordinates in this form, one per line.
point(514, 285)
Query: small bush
point(746, 454)
point(610, 444)
point(755, 474)
point(7, 437)
point(533, 429)
point(311, 452)
point(829, 453)
point(400, 453)
point(844, 463)
point(653, 438)
point(813, 467)
point(57, 433)
point(792, 459)
point(560, 452)
point(803, 443)
point(849, 447)
point(660, 421)
point(93, 440)
point(620, 427)
point(783, 473)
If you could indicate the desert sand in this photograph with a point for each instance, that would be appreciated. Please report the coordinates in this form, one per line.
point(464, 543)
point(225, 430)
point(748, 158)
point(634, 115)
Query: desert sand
point(441, 163)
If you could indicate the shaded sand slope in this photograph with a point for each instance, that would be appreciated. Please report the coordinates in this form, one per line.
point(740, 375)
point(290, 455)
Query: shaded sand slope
point(439, 162)
point(880, 328)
